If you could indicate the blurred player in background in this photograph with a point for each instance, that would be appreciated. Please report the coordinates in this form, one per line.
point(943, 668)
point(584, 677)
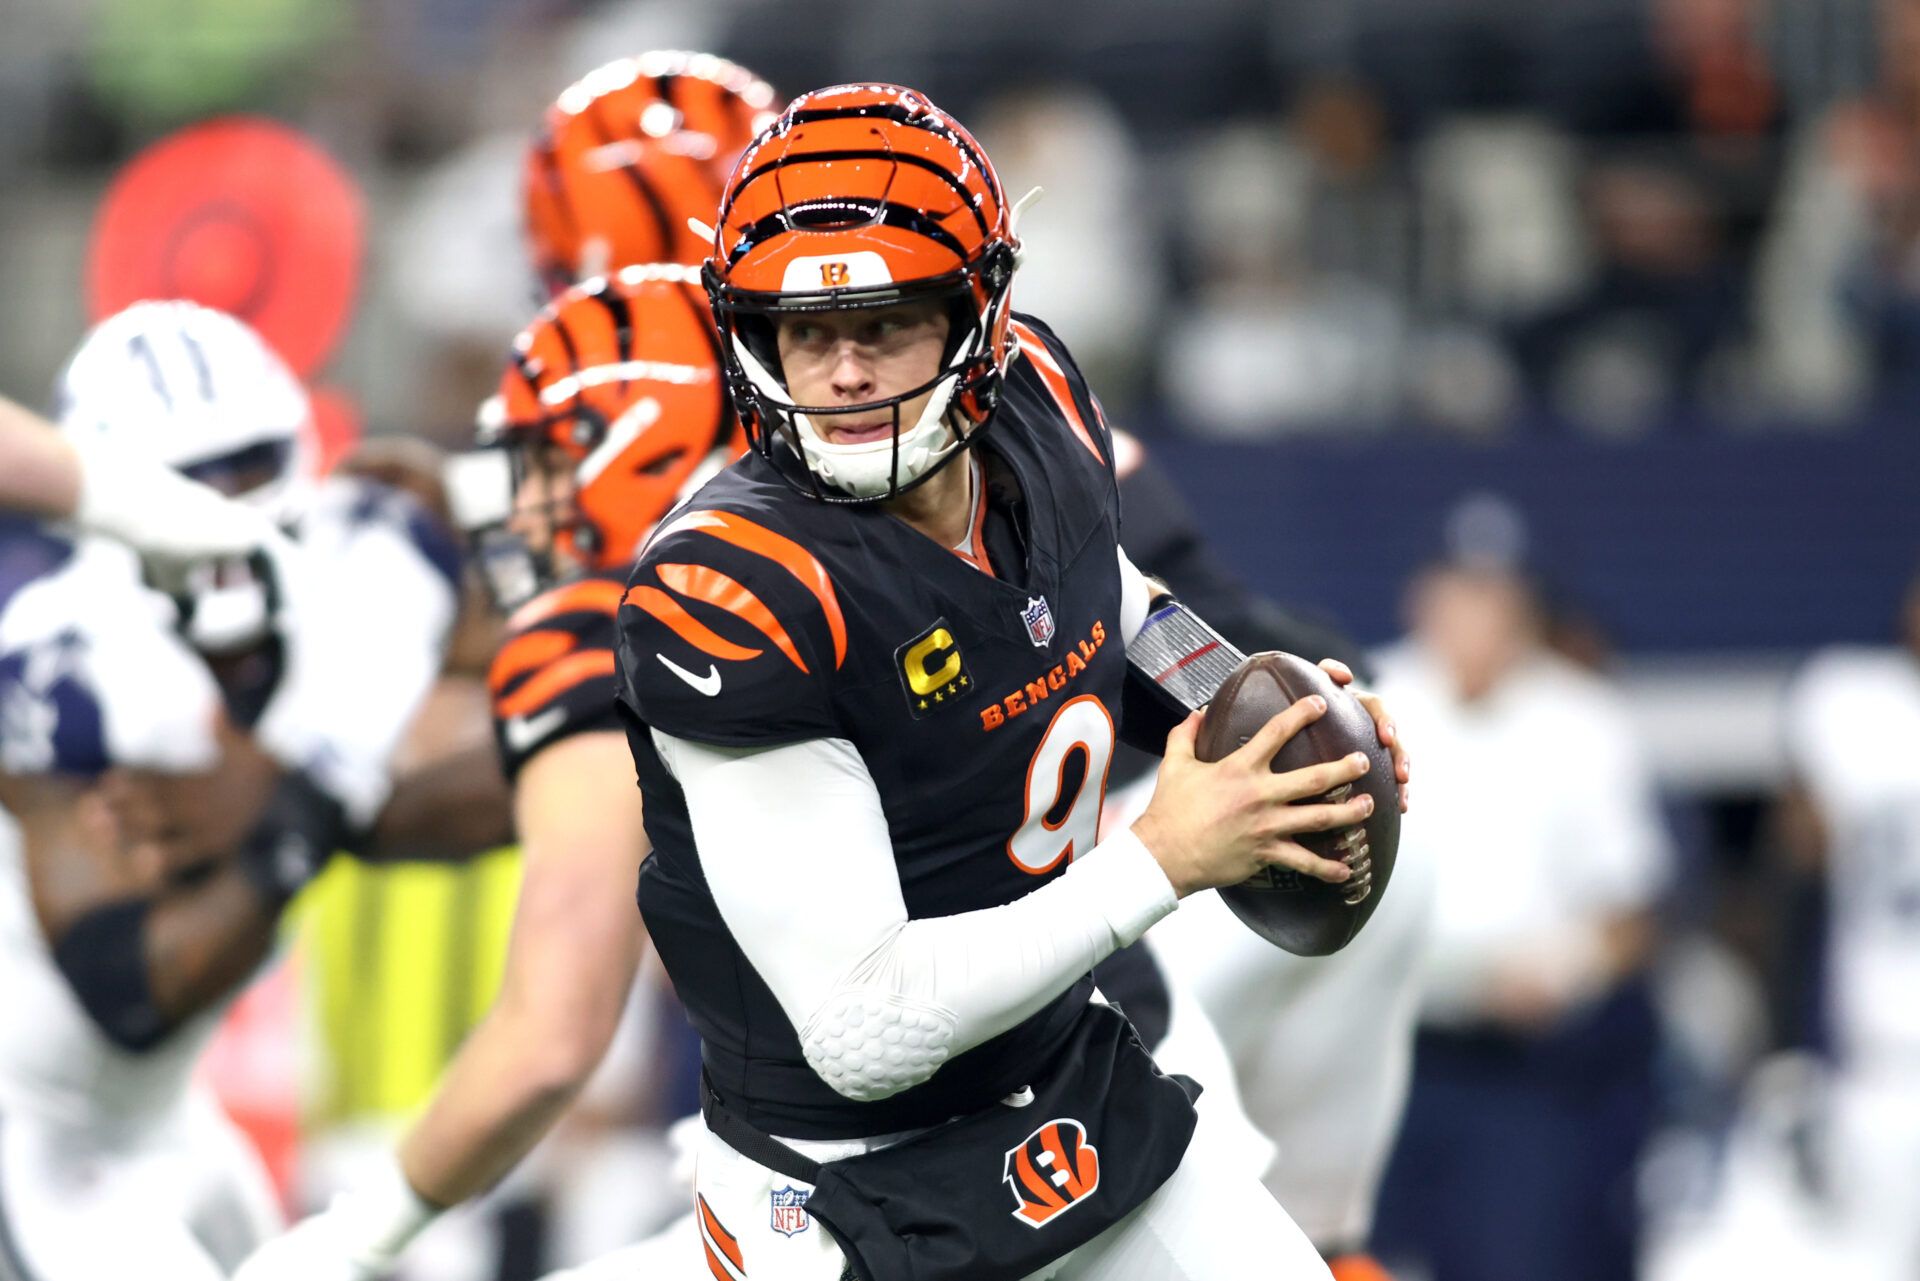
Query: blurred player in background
point(621, 160)
point(1322, 1046)
point(1853, 719)
point(174, 770)
point(611, 409)
point(1533, 1077)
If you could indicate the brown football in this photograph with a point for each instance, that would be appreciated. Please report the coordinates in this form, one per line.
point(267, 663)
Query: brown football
point(1306, 916)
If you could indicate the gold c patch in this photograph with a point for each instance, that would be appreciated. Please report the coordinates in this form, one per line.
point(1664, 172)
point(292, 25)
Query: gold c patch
point(932, 673)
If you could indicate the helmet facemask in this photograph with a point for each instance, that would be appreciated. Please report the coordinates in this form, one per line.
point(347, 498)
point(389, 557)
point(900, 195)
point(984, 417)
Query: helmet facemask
point(961, 393)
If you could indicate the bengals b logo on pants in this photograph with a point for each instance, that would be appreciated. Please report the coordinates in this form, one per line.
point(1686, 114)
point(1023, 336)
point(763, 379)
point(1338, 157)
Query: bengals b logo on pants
point(1052, 1171)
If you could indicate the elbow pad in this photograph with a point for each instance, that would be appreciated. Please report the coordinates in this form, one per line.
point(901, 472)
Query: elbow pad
point(103, 957)
point(870, 1045)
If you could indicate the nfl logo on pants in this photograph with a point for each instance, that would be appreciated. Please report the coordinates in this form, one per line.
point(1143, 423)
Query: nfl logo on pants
point(1039, 621)
point(790, 1210)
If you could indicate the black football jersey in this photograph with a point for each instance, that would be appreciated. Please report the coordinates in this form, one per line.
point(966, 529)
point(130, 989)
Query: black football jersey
point(982, 704)
point(554, 674)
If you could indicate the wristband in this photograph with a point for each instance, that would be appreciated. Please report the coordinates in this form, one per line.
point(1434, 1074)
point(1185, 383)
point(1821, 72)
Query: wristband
point(298, 833)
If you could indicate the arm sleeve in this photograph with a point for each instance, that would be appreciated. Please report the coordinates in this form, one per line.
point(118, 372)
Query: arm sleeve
point(881, 1001)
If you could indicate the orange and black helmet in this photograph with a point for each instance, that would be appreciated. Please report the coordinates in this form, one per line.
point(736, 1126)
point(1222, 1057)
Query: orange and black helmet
point(631, 151)
point(621, 376)
point(864, 196)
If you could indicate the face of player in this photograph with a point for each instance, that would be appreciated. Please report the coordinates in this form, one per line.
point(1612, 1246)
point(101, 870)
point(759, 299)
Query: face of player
point(854, 357)
point(542, 498)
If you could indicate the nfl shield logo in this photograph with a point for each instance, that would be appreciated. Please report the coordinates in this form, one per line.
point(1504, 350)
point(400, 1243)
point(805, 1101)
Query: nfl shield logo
point(790, 1210)
point(1039, 621)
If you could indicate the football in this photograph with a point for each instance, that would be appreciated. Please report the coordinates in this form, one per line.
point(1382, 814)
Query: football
point(1305, 916)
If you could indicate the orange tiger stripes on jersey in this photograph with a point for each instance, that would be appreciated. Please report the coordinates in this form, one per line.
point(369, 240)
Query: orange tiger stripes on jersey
point(1055, 379)
point(716, 1238)
point(704, 583)
point(556, 641)
point(556, 679)
point(593, 595)
point(526, 653)
point(688, 628)
point(783, 551)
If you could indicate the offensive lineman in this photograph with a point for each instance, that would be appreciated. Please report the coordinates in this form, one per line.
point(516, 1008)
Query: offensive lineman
point(870, 676)
point(173, 772)
point(610, 411)
point(612, 404)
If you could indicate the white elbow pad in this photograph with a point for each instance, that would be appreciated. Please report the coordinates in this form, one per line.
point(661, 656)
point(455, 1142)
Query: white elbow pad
point(869, 1045)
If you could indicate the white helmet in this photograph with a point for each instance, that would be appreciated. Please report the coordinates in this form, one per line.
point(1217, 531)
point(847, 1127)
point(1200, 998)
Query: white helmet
point(197, 390)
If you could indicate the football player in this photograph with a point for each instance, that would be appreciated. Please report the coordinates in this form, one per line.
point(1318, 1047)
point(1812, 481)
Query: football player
point(173, 770)
point(611, 408)
point(1852, 714)
point(599, 448)
point(871, 679)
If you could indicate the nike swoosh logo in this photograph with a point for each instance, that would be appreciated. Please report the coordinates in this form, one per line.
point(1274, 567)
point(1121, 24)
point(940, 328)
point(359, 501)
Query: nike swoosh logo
point(522, 732)
point(708, 684)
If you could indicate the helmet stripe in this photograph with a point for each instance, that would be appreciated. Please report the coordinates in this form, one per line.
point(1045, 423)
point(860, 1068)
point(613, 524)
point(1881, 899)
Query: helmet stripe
point(904, 116)
point(888, 215)
point(967, 198)
point(656, 209)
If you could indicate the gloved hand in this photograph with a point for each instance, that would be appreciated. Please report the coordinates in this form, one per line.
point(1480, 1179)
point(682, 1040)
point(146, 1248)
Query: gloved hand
point(357, 1238)
point(170, 520)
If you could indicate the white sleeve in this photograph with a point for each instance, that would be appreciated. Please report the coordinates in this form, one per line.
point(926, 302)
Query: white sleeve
point(366, 626)
point(1136, 598)
point(1619, 858)
point(880, 1001)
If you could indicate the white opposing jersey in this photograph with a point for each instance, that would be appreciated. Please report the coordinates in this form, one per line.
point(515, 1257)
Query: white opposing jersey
point(1577, 835)
point(1853, 726)
point(91, 676)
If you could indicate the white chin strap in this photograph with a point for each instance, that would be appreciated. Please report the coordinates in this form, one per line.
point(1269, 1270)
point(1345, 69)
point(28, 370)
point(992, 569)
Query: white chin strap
point(866, 469)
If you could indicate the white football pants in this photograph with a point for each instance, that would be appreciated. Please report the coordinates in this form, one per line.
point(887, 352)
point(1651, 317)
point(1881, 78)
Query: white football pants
point(185, 1200)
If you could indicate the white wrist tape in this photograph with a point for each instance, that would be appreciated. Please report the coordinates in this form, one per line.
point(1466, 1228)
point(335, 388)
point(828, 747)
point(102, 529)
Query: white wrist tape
point(381, 1217)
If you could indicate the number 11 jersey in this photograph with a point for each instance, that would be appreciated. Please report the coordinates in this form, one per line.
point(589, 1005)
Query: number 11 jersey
point(981, 691)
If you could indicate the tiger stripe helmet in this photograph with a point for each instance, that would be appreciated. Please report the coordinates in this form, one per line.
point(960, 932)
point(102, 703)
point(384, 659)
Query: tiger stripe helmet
point(864, 196)
point(621, 375)
point(628, 153)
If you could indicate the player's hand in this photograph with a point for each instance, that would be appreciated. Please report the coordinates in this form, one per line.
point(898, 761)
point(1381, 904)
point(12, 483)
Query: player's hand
point(314, 1249)
point(1382, 723)
point(1218, 824)
point(173, 522)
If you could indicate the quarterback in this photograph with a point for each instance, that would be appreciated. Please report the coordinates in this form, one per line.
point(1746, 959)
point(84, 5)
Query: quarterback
point(871, 678)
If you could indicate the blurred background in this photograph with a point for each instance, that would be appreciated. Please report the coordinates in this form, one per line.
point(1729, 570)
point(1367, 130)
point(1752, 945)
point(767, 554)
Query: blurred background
point(1622, 296)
